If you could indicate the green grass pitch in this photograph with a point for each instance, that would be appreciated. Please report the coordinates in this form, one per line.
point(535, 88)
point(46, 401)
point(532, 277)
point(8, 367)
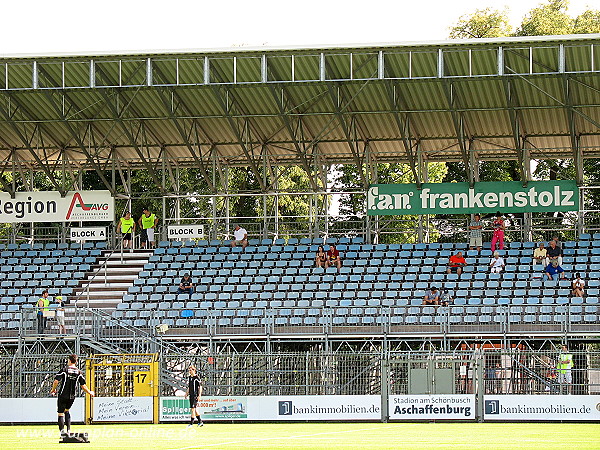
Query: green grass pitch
point(314, 436)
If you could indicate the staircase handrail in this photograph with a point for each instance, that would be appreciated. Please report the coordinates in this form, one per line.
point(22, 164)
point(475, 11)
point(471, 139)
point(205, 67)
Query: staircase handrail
point(86, 287)
point(137, 333)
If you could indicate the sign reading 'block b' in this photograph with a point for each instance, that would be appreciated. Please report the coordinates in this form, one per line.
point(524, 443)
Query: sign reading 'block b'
point(484, 198)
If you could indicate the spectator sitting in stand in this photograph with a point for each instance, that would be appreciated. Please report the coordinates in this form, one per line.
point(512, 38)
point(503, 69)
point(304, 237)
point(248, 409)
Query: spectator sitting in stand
point(577, 286)
point(321, 257)
point(554, 271)
point(186, 286)
point(445, 297)
point(539, 256)
point(333, 257)
point(497, 263)
point(553, 254)
point(432, 297)
point(557, 241)
point(240, 236)
point(456, 263)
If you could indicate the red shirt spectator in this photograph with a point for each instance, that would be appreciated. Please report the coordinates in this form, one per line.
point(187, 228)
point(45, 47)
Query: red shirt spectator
point(456, 263)
point(457, 260)
point(333, 257)
point(333, 253)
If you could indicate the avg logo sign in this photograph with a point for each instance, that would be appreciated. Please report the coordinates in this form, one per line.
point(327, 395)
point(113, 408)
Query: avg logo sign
point(50, 206)
point(85, 208)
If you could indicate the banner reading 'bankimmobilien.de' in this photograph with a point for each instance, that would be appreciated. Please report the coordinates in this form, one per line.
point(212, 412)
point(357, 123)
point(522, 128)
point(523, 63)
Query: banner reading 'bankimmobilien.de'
point(484, 198)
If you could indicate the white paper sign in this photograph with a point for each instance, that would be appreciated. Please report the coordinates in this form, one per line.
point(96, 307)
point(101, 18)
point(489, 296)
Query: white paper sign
point(88, 234)
point(123, 409)
point(434, 406)
point(542, 407)
point(185, 232)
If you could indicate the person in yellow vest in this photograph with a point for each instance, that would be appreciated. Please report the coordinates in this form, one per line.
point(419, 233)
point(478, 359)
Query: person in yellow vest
point(127, 226)
point(147, 223)
point(43, 308)
point(564, 366)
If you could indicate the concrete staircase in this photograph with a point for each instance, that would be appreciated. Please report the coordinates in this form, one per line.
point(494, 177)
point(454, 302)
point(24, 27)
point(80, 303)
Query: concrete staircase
point(110, 279)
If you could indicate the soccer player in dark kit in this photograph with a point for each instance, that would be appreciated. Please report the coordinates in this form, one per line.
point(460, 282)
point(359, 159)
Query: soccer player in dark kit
point(194, 391)
point(69, 378)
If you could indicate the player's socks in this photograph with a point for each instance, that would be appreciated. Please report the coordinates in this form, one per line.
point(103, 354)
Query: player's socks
point(192, 421)
point(61, 423)
point(68, 420)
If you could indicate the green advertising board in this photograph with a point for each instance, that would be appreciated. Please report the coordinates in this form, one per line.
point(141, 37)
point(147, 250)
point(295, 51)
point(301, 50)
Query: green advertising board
point(178, 408)
point(484, 198)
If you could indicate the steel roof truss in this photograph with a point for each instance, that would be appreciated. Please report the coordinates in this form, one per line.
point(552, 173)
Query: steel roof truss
point(349, 130)
point(130, 137)
point(33, 153)
point(459, 126)
point(516, 122)
point(404, 125)
point(243, 137)
point(185, 136)
point(577, 154)
point(59, 110)
point(292, 131)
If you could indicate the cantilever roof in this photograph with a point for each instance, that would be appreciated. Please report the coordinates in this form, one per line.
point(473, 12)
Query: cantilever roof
point(436, 101)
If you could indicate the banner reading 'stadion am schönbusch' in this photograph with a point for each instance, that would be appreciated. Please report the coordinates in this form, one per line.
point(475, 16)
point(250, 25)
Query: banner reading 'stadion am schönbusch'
point(49, 206)
point(484, 197)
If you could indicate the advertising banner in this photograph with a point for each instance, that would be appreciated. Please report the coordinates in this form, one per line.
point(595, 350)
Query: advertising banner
point(432, 407)
point(185, 232)
point(321, 407)
point(122, 409)
point(210, 408)
point(49, 206)
point(542, 407)
point(36, 410)
point(484, 198)
point(296, 407)
point(88, 234)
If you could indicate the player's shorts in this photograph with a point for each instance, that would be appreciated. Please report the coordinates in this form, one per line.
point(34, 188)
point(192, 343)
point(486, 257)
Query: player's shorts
point(454, 269)
point(144, 235)
point(126, 236)
point(193, 402)
point(565, 377)
point(60, 320)
point(64, 403)
point(150, 232)
point(476, 242)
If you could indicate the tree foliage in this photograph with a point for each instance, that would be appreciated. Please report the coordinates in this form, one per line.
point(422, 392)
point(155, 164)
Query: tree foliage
point(551, 18)
point(548, 18)
point(483, 23)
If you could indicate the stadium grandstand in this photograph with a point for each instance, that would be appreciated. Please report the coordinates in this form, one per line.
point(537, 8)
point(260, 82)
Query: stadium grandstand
point(262, 320)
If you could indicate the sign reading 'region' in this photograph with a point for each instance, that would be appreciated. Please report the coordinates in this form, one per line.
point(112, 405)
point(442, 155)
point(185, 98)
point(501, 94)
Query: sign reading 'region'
point(459, 198)
point(49, 206)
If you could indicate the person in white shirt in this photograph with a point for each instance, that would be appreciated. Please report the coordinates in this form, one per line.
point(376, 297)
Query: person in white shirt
point(497, 263)
point(240, 236)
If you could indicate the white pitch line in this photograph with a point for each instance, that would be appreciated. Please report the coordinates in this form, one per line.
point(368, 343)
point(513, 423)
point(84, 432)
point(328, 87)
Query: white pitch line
point(270, 439)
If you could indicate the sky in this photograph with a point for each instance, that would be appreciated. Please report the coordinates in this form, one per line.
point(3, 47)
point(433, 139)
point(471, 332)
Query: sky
point(69, 26)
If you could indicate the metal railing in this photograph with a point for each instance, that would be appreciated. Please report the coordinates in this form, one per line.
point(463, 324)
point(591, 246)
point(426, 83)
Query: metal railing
point(516, 370)
point(455, 320)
